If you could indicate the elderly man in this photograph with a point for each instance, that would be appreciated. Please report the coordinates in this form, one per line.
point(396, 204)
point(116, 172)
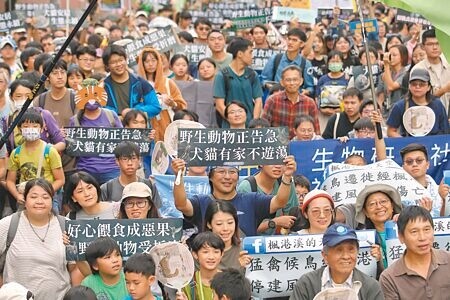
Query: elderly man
point(422, 271)
point(340, 252)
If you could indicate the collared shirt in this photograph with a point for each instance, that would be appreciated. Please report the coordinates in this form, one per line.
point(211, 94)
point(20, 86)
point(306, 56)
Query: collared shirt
point(439, 77)
point(327, 281)
point(400, 282)
point(280, 111)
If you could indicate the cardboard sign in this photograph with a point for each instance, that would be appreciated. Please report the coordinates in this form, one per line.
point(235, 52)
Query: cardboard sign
point(162, 40)
point(261, 57)
point(344, 182)
point(279, 261)
point(194, 52)
point(94, 141)
point(10, 21)
point(133, 236)
point(371, 27)
point(27, 9)
point(233, 147)
point(110, 4)
point(281, 13)
point(411, 17)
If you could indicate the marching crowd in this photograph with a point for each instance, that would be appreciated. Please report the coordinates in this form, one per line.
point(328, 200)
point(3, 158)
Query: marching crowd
point(316, 84)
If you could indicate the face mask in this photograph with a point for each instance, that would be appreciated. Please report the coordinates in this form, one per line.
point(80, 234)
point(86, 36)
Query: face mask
point(335, 66)
point(18, 104)
point(31, 134)
point(92, 106)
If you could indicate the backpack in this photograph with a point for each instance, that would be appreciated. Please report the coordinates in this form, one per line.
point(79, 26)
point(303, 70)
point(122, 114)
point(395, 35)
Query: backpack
point(226, 79)
point(109, 114)
point(46, 154)
point(276, 64)
point(43, 97)
point(253, 185)
point(15, 217)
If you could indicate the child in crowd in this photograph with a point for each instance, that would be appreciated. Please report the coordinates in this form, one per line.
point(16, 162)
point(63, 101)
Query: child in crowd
point(231, 284)
point(105, 260)
point(80, 293)
point(207, 249)
point(140, 276)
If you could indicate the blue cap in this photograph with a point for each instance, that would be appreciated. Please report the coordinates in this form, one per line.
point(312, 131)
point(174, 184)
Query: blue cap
point(338, 233)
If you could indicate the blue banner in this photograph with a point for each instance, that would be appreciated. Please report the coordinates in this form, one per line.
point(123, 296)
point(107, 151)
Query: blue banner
point(314, 156)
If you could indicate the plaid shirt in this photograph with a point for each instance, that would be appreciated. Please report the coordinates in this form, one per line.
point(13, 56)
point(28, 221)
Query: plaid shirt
point(280, 111)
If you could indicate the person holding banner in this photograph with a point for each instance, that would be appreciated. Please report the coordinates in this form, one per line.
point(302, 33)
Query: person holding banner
point(340, 253)
point(422, 271)
point(253, 207)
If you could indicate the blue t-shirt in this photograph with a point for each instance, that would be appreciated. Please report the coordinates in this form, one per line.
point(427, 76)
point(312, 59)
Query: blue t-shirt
point(441, 126)
point(252, 209)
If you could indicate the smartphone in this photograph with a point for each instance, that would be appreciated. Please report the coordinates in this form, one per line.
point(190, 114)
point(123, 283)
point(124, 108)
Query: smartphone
point(447, 177)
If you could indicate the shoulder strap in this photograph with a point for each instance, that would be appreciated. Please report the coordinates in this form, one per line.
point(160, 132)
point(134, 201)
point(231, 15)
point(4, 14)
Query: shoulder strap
point(76, 122)
point(42, 99)
point(336, 122)
point(276, 63)
point(110, 116)
point(226, 81)
point(72, 100)
point(252, 180)
point(302, 65)
point(62, 222)
point(15, 217)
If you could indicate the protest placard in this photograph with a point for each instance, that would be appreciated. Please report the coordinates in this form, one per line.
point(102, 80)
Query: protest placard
point(280, 13)
point(306, 4)
point(411, 17)
point(395, 249)
point(110, 4)
point(328, 12)
point(344, 182)
point(199, 98)
point(194, 52)
point(314, 156)
point(163, 40)
point(261, 57)
point(249, 22)
point(26, 9)
point(370, 25)
point(214, 16)
point(279, 261)
point(235, 147)
point(10, 21)
point(133, 236)
point(343, 4)
point(94, 141)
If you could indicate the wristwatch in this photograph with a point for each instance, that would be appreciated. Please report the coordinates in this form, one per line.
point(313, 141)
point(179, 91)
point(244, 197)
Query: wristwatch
point(272, 224)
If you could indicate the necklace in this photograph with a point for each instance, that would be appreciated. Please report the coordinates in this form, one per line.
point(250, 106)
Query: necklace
point(35, 233)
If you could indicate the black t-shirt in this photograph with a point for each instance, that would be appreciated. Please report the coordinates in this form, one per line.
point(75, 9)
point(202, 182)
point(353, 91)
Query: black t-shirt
point(344, 126)
point(122, 92)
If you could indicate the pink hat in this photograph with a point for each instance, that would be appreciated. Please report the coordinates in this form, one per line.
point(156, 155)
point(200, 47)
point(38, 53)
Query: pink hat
point(313, 195)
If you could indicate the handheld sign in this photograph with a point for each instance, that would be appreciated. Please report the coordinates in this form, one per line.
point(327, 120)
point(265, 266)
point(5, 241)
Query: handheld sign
point(419, 120)
point(160, 159)
point(174, 264)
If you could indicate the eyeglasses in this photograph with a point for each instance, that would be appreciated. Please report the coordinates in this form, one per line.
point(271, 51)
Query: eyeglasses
point(366, 132)
point(306, 130)
point(139, 203)
point(410, 161)
point(129, 158)
point(222, 171)
point(316, 212)
point(419, 84)
point(373, 204)
point(237, 111)
point(436, 44)
point(87, 59)
point(301, 196)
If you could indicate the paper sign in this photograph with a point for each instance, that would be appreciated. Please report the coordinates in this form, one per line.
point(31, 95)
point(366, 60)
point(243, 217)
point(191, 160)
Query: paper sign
point(281, 13)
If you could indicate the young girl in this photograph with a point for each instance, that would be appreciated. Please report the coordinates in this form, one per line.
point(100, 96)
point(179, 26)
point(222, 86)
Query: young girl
point(206, 69)
point(179, 64)
point(74, 77)
point(332, 85)
point(221, 218)
point(150, 66)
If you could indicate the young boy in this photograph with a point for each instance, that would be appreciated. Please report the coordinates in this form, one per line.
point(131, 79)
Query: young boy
point(207, 249)
point(107, 279)
point(139, 277)
point(34, 158)
point(231, 284)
